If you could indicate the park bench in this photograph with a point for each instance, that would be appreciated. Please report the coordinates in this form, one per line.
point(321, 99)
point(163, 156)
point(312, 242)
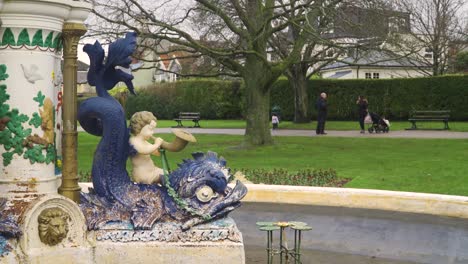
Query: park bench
point(427, 116)
point(192, 116)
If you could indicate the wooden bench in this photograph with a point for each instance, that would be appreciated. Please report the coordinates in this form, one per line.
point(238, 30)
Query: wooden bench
point(192, 116)
point(426, 116)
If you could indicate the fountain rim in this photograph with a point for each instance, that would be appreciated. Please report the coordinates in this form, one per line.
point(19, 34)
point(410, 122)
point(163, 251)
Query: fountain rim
point(404, 202)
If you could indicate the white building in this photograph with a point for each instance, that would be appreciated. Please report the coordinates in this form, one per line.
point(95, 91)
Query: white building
point(166, 68)
point(374, 65)
point(370, 53)
point(150, 67)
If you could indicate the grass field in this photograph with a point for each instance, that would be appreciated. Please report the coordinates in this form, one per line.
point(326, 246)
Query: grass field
point(416, 165)
point(330, 125)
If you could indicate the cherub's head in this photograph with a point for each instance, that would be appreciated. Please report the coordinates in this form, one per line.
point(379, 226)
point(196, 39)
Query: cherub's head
point(139, 120)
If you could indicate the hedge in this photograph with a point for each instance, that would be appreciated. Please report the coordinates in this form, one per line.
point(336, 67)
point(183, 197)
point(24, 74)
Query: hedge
point(214, 99)
point(395, 98)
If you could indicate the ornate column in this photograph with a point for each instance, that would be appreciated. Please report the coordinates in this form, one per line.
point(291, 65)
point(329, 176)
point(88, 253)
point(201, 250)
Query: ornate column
point(71, 35)
point(30, 54)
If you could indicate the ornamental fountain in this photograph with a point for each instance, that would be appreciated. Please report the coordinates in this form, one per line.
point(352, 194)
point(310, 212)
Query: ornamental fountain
point(181, 218)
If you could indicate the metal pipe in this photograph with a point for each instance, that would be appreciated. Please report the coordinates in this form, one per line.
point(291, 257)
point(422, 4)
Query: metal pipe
point(71, 35)
point(269, 245)
point(281, 244)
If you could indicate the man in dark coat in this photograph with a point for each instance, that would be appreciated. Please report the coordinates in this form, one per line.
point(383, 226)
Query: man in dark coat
point(321, 106)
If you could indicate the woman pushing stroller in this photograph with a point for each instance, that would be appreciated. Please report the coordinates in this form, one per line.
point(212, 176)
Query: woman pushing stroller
point(378, 124)
point(363, 105)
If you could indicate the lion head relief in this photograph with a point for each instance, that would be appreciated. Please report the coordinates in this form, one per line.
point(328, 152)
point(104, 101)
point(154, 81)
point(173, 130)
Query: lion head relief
point(53, 226)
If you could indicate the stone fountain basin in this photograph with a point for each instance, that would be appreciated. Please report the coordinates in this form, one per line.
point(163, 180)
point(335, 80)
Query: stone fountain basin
point(370, 226)
point(357, 225)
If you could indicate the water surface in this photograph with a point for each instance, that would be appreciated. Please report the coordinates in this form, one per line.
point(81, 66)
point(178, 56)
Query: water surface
point(258, 255)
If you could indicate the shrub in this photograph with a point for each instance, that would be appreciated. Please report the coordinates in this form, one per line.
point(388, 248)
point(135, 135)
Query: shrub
point(214, 99)
point(307, 177)
point(84, 176)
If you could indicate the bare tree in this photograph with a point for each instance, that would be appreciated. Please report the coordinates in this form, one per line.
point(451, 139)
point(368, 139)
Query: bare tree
point(335, 29)
point(435, 24)
point(244, 29)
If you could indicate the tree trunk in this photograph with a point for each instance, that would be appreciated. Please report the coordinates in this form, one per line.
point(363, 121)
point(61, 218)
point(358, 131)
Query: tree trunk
point(257, 132)
point(298, 81)
point(435, 64)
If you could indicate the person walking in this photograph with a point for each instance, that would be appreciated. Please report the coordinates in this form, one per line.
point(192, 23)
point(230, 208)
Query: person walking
point(363, 105)
point(321, 106)
point(275, 121)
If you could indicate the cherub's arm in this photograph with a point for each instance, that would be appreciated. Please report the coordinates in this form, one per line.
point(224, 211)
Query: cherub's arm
point(144, 147)
point(159, 141)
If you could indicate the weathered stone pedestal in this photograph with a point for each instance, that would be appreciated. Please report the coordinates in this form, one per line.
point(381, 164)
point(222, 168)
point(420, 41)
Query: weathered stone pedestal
point(176, 253)
point(216, 242)
point(36, 224)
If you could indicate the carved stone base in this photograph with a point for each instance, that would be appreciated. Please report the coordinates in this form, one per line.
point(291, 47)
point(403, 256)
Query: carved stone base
point(216, 242)
point(53, 230)
point(43, 229)
point(159, 252)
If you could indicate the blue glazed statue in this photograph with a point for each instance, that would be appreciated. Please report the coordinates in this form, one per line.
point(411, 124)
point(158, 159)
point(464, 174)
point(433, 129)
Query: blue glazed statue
point(195, 193)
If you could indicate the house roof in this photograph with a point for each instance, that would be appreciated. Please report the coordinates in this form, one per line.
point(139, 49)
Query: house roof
point(82, 72)
point(340, 74)
point(171, 61)
point(82, 66)
point(376, 59)
point(82, 77)
point(165, 59)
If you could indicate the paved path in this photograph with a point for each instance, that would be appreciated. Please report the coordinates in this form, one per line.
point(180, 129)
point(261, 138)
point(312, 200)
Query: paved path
point(330, 133)
point(334, 133)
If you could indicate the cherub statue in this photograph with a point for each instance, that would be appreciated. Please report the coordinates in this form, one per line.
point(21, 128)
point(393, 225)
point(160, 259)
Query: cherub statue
point(196, 192)
point(142, 125)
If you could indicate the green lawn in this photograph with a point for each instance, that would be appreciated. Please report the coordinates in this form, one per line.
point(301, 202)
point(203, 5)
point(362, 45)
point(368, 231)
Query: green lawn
point(330, 125)
point(417, 165)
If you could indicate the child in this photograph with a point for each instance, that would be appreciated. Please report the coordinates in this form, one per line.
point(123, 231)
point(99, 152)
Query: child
point(142, 125)
point(274, 121)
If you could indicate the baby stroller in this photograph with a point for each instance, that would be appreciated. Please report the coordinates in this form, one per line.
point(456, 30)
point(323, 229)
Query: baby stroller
point(378, 124)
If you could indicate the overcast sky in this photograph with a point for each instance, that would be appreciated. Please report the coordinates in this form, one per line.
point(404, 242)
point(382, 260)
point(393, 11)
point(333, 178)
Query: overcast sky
point(167, 10)
point(180, 5)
